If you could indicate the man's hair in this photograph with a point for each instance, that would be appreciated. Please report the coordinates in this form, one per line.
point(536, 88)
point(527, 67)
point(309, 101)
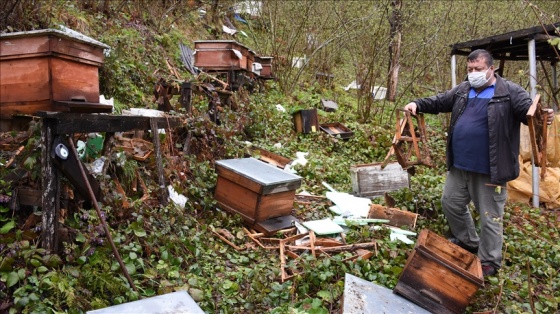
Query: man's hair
point(481, 53)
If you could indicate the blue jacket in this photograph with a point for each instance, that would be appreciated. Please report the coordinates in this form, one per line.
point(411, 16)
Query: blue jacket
point(506, 111)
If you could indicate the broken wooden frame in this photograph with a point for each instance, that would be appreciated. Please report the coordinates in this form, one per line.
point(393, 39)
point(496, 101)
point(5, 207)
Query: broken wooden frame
point(410, 141)
point(317, 246)
point(536, 120)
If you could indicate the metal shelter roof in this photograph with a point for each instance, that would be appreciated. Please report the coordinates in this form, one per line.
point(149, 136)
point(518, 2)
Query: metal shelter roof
point(513, 45)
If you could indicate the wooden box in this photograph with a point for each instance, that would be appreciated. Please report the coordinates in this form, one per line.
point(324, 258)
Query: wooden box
point(439, 275)
point(270, 157)
point(369, 180)
point(219, 55)
point(254, 189)
point(306, 121)
point(337, 129)
point(49, 70)
point(266, 63)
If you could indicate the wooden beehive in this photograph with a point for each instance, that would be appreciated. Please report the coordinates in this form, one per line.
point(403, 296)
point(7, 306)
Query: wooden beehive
point(266, 63)
point(439, 275)
point(50, 70)
point(306, 121)
point(337, 129)
point(373, 180)
point(219, 55)
point(255, 190)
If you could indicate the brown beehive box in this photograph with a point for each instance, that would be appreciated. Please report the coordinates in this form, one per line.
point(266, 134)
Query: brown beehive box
point(49, 70)
point(266, 63)
point(439, 275)
point(255, 190)
point(306, 121)
point(218, 55)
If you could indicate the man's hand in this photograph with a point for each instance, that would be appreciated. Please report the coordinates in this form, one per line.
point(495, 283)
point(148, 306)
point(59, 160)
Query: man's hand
point(549, 116)
point(411, 106)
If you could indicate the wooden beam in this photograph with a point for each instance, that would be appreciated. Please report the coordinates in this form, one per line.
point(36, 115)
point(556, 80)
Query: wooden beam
point(67, 123)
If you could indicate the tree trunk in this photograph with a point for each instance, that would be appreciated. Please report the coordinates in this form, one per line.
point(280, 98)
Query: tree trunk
point(394, 50)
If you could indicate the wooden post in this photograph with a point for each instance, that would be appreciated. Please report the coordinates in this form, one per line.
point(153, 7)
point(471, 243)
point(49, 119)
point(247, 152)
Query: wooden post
point(162, 195)
point(50, 186)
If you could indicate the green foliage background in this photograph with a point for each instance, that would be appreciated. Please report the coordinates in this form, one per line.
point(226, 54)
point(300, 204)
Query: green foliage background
point(167, 249)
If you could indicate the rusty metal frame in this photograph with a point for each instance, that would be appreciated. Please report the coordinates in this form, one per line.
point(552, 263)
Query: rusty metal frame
point(536, 120)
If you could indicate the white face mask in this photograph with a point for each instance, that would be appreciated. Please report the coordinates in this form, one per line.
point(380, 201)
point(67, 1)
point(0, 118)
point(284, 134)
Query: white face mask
point(478, 79)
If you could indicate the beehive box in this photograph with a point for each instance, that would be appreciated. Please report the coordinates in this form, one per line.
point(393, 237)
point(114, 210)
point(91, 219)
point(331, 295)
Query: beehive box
point(219, 55)
point(337, 129)
point(306, 120)
point(50, 70)
point(439, 275)
point(255, 190)
point(266, 63)
point(371, 180)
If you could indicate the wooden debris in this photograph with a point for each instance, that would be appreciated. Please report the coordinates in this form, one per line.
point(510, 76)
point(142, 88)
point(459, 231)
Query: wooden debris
point(396, 217)
point(120, 190)
point(327, 242)
point(228, 241)
point(18, 151)
point(337, 249)
point(364, 254)
point(136, 148)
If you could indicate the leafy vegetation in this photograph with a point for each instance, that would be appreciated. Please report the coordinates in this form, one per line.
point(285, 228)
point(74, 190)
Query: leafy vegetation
point(169, 248)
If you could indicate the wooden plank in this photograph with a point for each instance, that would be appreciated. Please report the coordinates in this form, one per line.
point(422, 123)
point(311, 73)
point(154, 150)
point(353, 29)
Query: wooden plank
point(374, 180)
point(396, 217)
point(29, 197)
point(67, 123)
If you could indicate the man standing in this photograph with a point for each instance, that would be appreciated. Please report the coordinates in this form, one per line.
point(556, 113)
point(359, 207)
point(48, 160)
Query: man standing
point(482, 153)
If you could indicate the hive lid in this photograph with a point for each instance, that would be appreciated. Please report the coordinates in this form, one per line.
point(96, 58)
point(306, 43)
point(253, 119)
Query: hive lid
point(62, 32)
point(267, 176)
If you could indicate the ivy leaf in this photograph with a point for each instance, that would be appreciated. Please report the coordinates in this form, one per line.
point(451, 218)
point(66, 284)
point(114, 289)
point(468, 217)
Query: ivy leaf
point(13, 279)
point(137, 229)
point(80, 237)
point(7, 227)
point(325, 295)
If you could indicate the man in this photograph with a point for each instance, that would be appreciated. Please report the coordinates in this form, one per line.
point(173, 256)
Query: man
point(482, 153)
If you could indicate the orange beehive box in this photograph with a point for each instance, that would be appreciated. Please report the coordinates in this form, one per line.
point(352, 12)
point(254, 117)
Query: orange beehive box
point(49, 70)
point(219, 55)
